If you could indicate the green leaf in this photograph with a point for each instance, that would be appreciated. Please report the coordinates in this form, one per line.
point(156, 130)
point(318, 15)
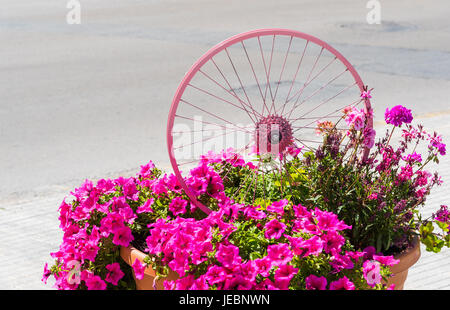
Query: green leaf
point(443, 226)
point(379, 242)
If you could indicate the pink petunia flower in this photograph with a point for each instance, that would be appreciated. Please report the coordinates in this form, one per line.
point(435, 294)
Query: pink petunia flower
point(327, 221)
point(146, 207)
point(228, 255)
point(371, 272)
point(315, 283)
point(139, 269)
point(178, 206)
point(278, 206)
point(253, 213)
point(342, 284)
point(279, 254)
point(123, 236)
point(95, 283)
point(386, 260)
point(146, 170)
point(114, 274)
point(263, 266)
point(274, 229)
point(46, 273)
point(284, 275)
point(215, 274)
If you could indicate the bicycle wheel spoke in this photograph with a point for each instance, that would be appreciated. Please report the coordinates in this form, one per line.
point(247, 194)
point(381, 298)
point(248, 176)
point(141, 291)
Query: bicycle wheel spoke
point(256, 182)
point(299, 93)
point(296, 105)
point(328, 100)
point(330, 114)
point(237, 158)
point(209, 123)
point(256, 78)
point(219, 98)
point(255, 176)
point(240, 186)
point(315, 76)
point(295, 76)
point(267, 70)
point(203, 140)
point(239, 79)
point(211, 114)
point(232, 90)
point(305, 145)
point(201, 130)
point(243, 104)
point(281, 74)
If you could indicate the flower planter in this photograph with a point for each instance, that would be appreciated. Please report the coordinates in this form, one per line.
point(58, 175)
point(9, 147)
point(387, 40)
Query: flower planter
point(129, 255)
point(407, 259)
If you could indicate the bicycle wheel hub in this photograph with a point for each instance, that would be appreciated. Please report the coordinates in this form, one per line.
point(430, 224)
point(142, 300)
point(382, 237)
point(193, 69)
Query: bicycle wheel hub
point(273, 134)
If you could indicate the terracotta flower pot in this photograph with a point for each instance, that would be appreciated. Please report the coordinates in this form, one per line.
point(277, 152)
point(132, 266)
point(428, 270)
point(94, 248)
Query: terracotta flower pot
point(407, 258)
point(129, 255)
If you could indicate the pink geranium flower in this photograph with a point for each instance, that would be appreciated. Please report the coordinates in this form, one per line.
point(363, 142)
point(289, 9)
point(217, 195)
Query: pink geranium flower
point(398, 115)
point(355, 118)
point(294, 151)
point(366, 94)
point(413, 158)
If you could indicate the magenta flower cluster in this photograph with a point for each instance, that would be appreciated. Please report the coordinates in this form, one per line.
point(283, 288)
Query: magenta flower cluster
point(398, 115)
point(294, 234)
point(205, 252)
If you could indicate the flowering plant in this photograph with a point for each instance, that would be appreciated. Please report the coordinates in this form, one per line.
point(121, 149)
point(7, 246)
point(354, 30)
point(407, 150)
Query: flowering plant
point(381, 193)
point(337, 228)
point(237, 246)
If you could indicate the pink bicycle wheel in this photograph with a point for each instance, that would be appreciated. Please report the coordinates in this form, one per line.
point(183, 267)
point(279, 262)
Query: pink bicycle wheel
point(252, 83)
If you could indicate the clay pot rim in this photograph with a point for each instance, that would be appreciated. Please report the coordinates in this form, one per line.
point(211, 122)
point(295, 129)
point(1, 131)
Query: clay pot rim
point(130, 254)
point(407, 257)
